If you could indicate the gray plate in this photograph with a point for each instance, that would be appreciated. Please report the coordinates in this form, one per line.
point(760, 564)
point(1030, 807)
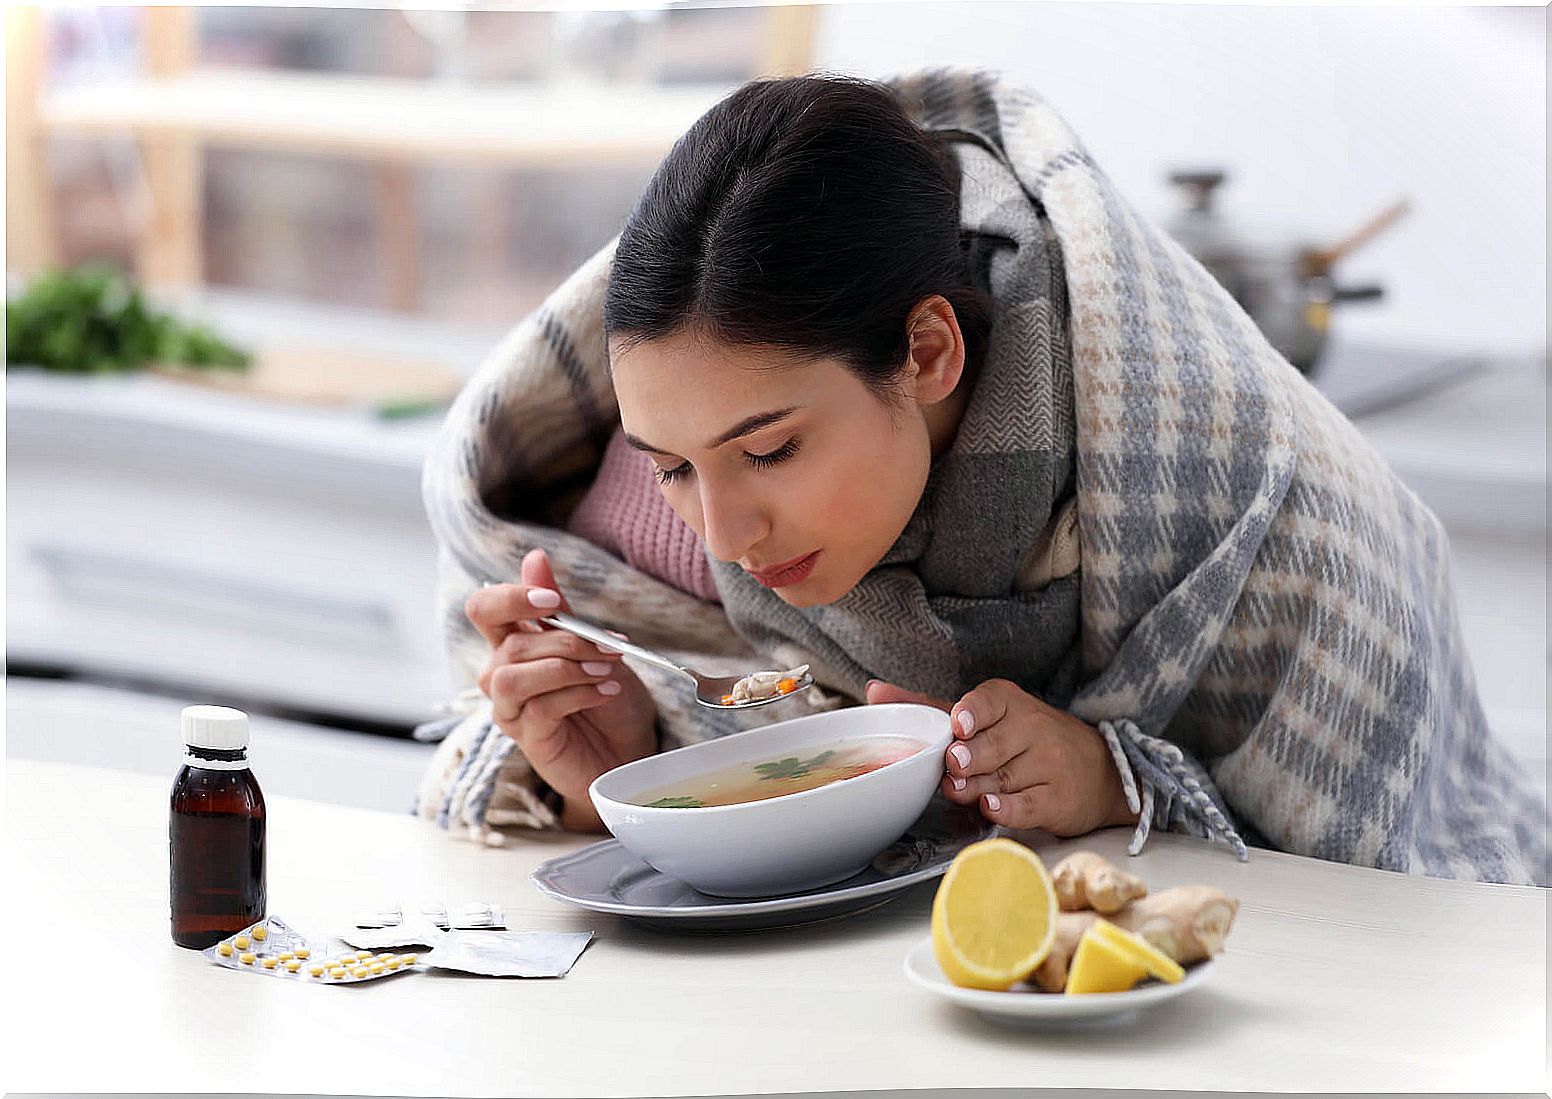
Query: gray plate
point(607, 878)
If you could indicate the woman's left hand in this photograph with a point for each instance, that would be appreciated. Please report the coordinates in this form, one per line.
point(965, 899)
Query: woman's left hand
point(1027, 764)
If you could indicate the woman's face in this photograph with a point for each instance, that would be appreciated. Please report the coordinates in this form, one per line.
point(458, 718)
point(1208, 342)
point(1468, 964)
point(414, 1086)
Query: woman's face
point(794, 469)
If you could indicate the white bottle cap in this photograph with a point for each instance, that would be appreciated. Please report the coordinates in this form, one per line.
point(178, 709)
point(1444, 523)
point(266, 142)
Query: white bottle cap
point(218, 727)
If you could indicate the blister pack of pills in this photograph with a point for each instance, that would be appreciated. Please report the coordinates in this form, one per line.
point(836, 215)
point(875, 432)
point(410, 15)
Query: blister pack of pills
point(272, 948)
point(470, 916)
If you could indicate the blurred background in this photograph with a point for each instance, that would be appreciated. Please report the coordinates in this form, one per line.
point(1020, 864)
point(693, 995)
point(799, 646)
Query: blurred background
point(358, 203)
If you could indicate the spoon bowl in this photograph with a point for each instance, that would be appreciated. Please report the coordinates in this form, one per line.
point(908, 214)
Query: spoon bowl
point(710, 690)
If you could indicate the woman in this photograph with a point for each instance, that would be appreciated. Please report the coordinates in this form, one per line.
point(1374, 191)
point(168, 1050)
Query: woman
point(937, 414)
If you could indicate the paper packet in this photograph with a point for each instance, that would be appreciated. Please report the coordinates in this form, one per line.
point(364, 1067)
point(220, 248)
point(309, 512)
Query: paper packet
point(509, 953)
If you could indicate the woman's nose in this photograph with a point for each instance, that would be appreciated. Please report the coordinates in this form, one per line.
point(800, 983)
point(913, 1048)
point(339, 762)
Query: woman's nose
point(733, 526)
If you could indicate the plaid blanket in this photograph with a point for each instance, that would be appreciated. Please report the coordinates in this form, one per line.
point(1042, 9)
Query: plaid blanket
point(1261, 622)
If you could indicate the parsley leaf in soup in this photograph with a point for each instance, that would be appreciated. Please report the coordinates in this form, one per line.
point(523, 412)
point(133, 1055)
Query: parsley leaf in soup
point(791, 767)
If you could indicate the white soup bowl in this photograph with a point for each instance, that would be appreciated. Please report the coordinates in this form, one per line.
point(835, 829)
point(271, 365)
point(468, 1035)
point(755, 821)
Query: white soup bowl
point(784, 844)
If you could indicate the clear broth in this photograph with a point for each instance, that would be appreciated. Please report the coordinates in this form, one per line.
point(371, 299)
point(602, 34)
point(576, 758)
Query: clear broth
point(788, 774)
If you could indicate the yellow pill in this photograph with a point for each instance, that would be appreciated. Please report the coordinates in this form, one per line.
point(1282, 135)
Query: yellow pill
point(360, 971)
point(377, 967)
point(383, 957)
point(241, 942)
point(394, 963)
point(336, 972)
point(270, 963)
point(302, 952)
point(260, 934)
point(315, 970)
point(293, 965)
point(411, 959)
point(225, 950)
point(286, 955)
point(349, 959)
point(245, 959)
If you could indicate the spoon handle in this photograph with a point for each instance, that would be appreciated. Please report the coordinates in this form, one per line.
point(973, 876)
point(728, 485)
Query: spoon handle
point(601, 636)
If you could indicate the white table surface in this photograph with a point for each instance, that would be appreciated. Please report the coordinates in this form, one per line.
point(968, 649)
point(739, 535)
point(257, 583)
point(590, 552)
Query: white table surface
point(1335, 979)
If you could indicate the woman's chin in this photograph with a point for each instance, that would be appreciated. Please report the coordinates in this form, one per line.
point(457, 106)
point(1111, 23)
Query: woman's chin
point(797, 595)
point(814, 590)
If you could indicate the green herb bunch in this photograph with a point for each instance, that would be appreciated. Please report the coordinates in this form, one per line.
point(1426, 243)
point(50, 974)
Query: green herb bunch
point(93, 320)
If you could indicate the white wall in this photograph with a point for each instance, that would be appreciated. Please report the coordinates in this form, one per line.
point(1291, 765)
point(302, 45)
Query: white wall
point(1322, 115)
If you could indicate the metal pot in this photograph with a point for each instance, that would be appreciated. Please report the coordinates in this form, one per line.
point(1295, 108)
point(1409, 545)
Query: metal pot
point(1285, 284)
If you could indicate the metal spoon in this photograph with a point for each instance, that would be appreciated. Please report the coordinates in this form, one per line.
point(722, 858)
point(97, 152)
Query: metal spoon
point(709, 690)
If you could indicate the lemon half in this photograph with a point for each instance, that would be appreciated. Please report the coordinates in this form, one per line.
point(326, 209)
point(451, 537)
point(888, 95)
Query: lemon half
point(994, 916)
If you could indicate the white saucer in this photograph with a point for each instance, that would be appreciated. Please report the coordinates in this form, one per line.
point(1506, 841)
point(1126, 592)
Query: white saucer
point(1047, 1009)
point(605, 877)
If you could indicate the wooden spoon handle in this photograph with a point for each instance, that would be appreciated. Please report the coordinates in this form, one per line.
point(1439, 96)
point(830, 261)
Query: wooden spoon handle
point(1318, 261)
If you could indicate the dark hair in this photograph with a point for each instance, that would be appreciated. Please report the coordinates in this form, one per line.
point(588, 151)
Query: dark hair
point(810, 214)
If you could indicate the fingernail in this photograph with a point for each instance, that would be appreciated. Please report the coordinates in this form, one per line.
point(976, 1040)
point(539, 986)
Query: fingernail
point(870, 683)
point(606, 650)
point(993, 803)
point(596, 667)
point(961, 754)
point(967, 722)
point(609, 687)
point(959, 783)
point(544, 597)
point(621, 636)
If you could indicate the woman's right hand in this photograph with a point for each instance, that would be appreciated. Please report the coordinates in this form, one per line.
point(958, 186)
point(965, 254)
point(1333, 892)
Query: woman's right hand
point(574, 709)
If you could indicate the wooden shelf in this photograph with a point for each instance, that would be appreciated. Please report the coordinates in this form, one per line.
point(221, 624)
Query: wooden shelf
point(387, 119)
point(176, 108)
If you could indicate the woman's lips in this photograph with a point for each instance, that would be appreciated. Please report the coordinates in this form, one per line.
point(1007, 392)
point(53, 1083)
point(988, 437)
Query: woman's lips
point(791, 572)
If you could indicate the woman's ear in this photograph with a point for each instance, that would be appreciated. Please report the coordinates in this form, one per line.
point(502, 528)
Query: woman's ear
point(936, 358)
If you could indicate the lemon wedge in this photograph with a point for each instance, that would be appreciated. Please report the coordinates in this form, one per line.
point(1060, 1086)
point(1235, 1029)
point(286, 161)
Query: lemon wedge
point(1140, 950)
point(994, 916)
point(1100, 966)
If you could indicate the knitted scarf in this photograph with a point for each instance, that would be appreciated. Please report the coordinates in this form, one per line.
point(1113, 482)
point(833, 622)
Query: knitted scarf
point(1262, 624)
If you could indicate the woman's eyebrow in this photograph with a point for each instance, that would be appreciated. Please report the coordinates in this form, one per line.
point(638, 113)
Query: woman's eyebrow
point(737, 431)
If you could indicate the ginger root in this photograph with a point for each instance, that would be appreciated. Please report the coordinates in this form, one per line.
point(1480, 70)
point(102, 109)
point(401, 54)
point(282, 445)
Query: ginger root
point(1051, 976)
point(1086, 880)
point(1189, 923)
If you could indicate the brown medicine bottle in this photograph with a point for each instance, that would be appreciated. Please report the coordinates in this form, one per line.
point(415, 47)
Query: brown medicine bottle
point(216, 831)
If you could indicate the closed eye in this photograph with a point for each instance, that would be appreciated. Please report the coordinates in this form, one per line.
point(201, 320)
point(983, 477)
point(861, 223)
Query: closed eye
point(775, 457)
point(669, 476)
point(758, 461)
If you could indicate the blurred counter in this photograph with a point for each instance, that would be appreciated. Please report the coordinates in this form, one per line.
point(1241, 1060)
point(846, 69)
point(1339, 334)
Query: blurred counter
point(162, 532)
point(1467, 433)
